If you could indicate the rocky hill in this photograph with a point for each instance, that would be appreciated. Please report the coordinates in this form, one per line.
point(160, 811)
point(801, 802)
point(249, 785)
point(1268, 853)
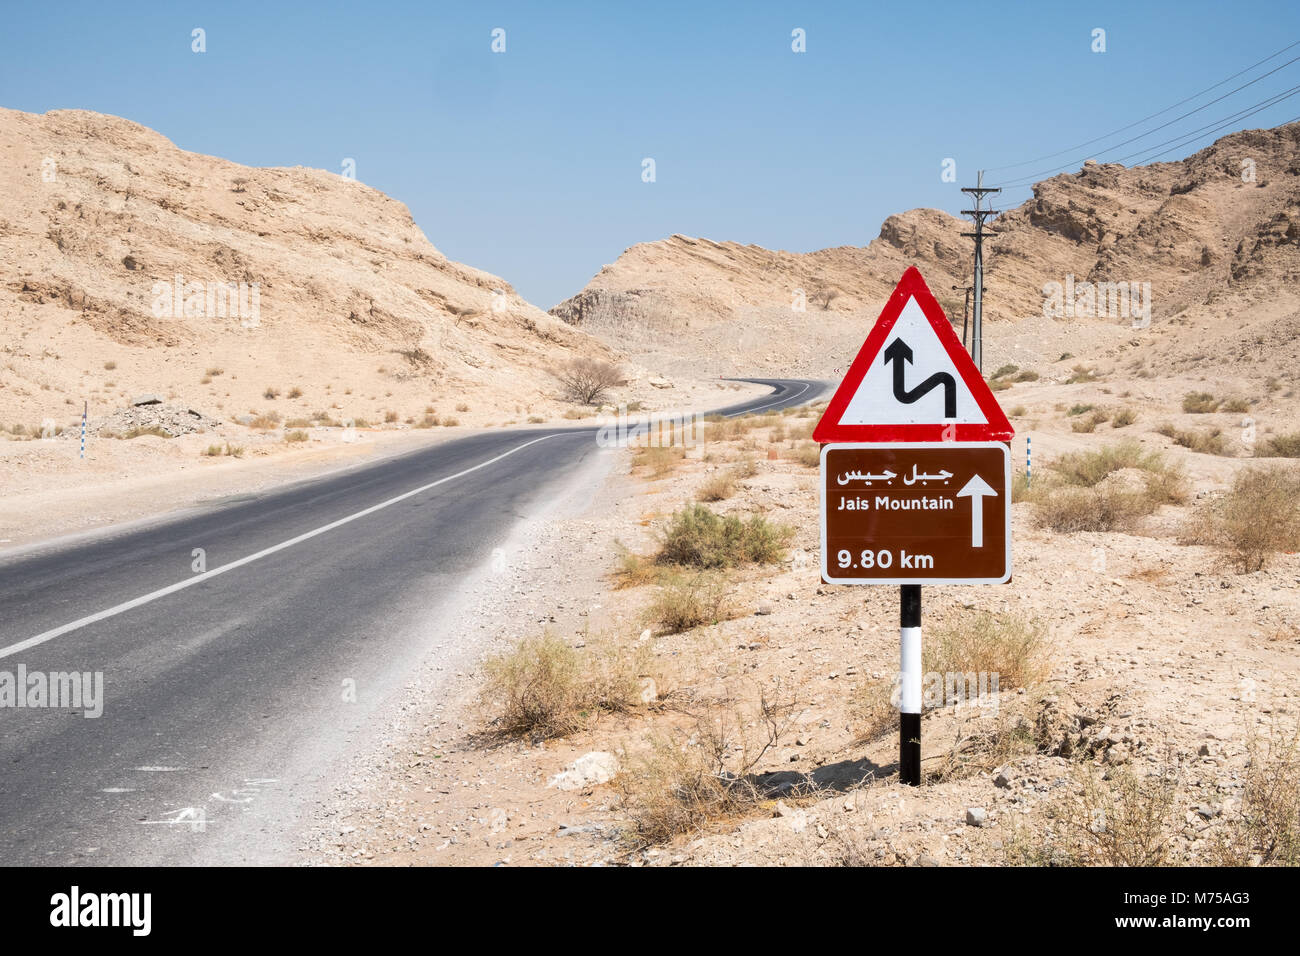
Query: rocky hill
point(130, 265)
point(1186, 245)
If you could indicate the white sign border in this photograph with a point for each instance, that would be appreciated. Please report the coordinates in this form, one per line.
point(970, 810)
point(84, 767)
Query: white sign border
point(821, 491)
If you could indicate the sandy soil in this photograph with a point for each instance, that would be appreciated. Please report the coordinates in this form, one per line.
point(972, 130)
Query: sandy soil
point(1159, 650)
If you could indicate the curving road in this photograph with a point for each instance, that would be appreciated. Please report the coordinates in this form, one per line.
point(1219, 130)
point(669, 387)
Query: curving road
point(232, 680)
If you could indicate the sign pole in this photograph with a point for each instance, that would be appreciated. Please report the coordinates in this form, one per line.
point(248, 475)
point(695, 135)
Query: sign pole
point(909, 717)
point(85, 409)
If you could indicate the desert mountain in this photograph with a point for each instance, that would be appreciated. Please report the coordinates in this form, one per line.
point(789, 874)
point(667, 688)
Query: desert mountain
point(1210, 243)
point(130, 265)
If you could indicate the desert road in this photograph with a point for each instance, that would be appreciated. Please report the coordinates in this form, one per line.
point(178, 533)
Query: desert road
point(232, 680)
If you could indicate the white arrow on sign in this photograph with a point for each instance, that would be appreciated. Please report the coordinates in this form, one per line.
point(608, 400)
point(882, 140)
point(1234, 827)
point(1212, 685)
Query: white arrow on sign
point(975, 490)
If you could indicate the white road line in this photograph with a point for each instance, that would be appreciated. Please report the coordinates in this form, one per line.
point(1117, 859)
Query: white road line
point(748, 411)
point(196, 579)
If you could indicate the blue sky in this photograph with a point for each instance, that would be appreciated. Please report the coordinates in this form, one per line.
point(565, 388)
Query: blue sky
point(528, 163)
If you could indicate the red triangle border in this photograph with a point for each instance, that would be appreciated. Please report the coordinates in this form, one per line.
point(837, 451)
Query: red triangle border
point(912, 286)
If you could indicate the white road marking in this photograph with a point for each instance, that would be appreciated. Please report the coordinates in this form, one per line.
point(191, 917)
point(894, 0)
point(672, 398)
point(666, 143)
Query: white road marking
point(189, 582)
point(759, 408)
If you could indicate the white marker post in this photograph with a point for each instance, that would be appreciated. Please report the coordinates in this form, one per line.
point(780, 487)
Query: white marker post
point(909, 702)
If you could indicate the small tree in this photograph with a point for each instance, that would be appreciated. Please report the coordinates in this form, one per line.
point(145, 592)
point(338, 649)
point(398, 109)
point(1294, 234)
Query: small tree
point(586, 380)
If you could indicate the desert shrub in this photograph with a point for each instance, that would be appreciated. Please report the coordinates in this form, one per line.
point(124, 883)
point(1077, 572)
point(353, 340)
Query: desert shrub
point(1115, 817)
point(658, 459)
point(587, 380)
point(1019, 411)
point(874, 712)
point(139, 430)
point(298, 423)
point(295, 392)
point(1265, 828)
point(211, 451)
point(1079, 408)
point(543, 688)
point(1123, 418)
point(428, 421)
point(295, 435)
point(265, 422)
point(1256, 518)
point(1027, 376)
point(698, 537)
point(390, 416)
point(1281, 446)
point(450, 421)
point(1081, 373)
point(462, 407)
point(1200, 403)
point(109, 366)
point(1089, 423)
point(718, 487)
point(633, 570)
point(1068, 509)
point(808, 454)
point(745, 467)
point(271, 394)
point(685, 601)
point(1237, 405)
point(1005, 370)
point(1014, 647)
point(686, 779)
point(1087, 468)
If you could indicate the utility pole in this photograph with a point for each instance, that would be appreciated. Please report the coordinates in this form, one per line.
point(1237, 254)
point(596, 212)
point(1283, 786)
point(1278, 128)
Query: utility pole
point(979, 213)
point(965, 311)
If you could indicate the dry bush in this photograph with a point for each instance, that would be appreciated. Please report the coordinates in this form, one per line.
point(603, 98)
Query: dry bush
point(298, 423)
point(1201, 403)
point(1281, 446)
point(685, 601)
point(428, 421)
point(1211, 442)
point(587, 380)
point(659, 460)
point(1123, 418)
point(271, 394)
point(266, 422)
point(717, 488)
point(1238, 405)
point(697, 537)
point(1087, 468)
point(212, 451)
point(1081, 373)
point(777, 434)
point(745, 467)
point(139, 430)
point(1075, 500)
point(1089, 423)
point(1066, 510)
point(1014, 647)
point(634, 570)
point(874, 712)
point(1018, 412)
point(390, 416)
point(295, 392)
point(1114, 818)
point(1257, 517)
point(295, 435)
point(462, 407)
point(1265, 828)
point(808, 454)
point(544, 688)
point(685, 781)
point(800, 431)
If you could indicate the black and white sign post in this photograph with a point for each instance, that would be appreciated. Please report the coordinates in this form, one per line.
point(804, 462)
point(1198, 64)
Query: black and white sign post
point(909, 708)
point(915, 478)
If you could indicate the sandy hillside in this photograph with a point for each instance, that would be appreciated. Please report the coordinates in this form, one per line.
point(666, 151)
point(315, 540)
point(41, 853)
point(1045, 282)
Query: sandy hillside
point(354, 307)
point(1221, 255)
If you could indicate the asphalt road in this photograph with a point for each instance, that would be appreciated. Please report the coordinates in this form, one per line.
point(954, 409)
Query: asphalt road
point(230, 684)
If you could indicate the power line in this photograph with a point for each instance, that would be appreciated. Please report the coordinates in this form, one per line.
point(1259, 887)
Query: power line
point(1219, 123)
point(1047, 172)
point(1122, 129)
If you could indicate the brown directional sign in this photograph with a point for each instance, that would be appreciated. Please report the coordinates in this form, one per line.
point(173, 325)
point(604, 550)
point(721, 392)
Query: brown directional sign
point(916, 513)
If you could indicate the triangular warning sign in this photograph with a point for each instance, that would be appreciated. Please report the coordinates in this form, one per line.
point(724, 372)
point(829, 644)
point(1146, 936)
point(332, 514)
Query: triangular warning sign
point(913, 380)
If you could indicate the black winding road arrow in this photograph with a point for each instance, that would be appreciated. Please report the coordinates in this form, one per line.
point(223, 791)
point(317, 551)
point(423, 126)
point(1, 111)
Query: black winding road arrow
point(899, 353)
